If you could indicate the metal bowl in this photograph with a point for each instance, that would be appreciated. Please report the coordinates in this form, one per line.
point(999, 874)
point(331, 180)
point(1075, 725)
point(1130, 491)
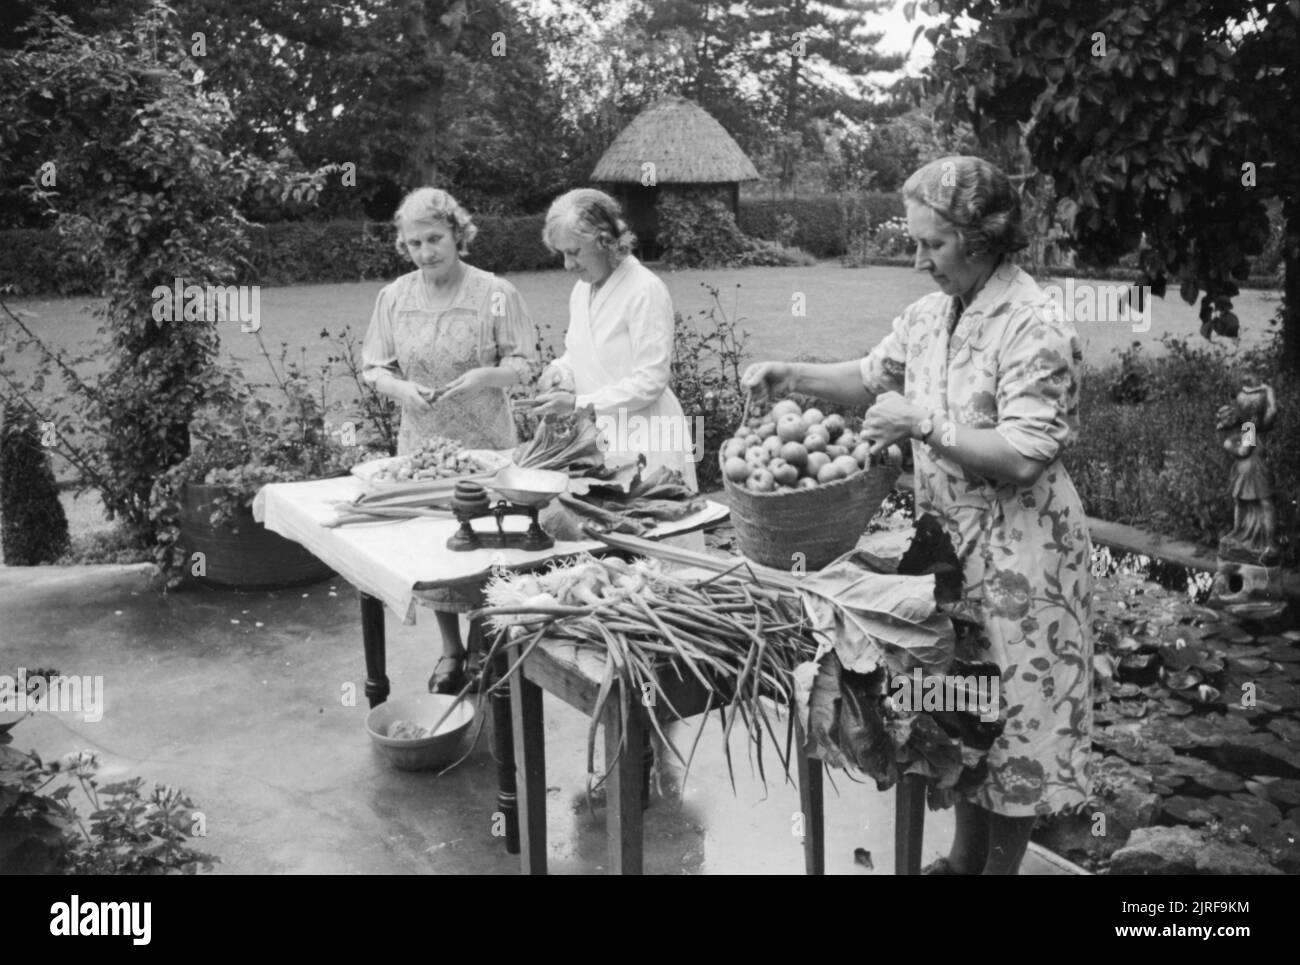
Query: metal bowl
point(529, 487)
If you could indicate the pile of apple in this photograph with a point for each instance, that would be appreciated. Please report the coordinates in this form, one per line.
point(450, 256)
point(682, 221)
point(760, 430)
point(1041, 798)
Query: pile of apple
point(789, 449)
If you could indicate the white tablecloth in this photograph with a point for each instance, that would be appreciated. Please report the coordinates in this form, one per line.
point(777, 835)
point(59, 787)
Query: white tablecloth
point(395, 560)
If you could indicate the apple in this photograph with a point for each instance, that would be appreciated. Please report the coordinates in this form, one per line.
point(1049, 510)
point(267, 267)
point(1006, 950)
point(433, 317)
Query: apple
point(753, 440)
point(816, 440)
point(784, 407)
point(834, 425)
point(862, 453)
point(816, 460)
point(742, 432)
point(828, 473)
point(795, 454)
point(812, 417)
point(773, 444)
point(760, 481)
point(790, 428)
point(807, 482)
point(784, 473)
point(736, 469)
point(848, 440)
point(767, 429)
point(757, 454)
point(848, 465)
point(735, 448)
point(833, 451)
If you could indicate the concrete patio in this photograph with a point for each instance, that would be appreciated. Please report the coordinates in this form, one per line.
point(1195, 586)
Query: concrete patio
point(239, 699)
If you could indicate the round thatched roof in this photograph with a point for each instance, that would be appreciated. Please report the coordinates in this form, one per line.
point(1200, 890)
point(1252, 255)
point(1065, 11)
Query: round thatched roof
point(685, 143)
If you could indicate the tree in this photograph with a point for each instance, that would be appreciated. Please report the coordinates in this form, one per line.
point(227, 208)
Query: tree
point(140, 183)
point(1165, 128)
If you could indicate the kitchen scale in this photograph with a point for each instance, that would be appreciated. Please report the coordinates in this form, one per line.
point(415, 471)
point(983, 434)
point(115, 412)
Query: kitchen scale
point(526, 491)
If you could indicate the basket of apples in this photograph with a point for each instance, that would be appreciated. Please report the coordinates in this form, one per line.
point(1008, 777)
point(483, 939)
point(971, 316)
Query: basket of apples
point(801, 485)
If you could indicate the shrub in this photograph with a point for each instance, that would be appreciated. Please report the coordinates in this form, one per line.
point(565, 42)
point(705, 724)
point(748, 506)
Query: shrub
point(129, 830)
point(821, 226)
point(699, 231)
point(1149, 455)
point(35, 528)
point(706, 372)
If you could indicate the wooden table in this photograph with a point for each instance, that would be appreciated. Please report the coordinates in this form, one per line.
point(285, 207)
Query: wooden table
point(574, 676)
point(395, 563)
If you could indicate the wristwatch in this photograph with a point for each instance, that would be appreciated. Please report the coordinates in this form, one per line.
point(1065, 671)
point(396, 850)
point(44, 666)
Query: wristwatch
point(926, 426)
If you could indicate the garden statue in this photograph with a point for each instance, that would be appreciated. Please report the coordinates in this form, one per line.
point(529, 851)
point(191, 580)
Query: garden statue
point(1249, 549)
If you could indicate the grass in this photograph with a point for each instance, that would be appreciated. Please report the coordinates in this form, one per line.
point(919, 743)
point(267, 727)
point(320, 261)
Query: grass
point(847, 311)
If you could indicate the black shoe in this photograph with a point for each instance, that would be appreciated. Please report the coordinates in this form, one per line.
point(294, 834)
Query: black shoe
point(451, 680)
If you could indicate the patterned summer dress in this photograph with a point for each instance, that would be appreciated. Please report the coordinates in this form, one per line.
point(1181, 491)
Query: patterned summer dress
point(1010, 363)
point(486, 324)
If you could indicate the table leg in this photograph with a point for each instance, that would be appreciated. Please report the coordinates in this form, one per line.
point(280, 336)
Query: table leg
point(812, 803)
point(372, 641)
point(909, 824)
point(530, 758)
point(503, 748)
point(623, 817)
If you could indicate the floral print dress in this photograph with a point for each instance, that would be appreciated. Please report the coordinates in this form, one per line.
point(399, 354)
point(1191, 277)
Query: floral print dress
point(1011, 363)
point(486, 324)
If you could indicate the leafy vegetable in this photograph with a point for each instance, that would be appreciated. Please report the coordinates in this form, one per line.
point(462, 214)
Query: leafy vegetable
point(564, 443)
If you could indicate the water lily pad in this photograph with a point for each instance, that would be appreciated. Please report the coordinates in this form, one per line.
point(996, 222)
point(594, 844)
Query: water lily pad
point(1184, 680)
point(1167, 775)
point(1127, 691)
point(1175, 707)
point(1282, 791)
point(1244, 810)
point(1285, 728)
point(1128, 645)
point(1189, 810)
point(1250, 665)
point(1132, 709)
point(1284, 654)
point(1292, 635)
point(1216, 779)
point(1132, 746)
point(1278, 691)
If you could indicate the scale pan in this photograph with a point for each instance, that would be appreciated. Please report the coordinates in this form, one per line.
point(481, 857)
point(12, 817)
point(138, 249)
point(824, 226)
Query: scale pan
point(529, 487)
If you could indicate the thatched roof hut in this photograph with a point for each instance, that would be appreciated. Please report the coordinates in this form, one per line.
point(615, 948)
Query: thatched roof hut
point(672, 143)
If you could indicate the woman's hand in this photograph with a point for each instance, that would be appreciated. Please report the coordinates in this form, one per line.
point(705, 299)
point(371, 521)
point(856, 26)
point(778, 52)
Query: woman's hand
point(890, 420)
point(411, 395)
point(554, 403)
point(776, 378)
point(554, 378)
point(486, 377)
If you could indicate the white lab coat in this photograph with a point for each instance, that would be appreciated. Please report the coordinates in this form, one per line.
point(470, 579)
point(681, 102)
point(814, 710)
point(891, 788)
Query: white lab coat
point(618, 355)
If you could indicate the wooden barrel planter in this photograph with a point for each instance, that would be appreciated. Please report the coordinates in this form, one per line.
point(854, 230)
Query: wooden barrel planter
point(242, 553)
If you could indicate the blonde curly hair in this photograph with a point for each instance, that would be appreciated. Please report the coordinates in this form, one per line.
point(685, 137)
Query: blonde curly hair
point(434, 204)
point(589, 213)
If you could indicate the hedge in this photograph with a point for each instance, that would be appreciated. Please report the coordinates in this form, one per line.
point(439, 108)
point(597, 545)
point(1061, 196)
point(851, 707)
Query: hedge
point(290, 253)
point(822, 225)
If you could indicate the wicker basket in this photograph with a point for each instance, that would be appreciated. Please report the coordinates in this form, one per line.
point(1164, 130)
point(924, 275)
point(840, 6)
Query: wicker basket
point(822, 523)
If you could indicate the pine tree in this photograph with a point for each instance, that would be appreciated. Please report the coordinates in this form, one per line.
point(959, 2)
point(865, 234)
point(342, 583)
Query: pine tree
point(33, 526)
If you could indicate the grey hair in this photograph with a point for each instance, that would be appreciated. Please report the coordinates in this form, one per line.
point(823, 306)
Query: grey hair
point(976, 198)
point(589, 213)
point(434, 204)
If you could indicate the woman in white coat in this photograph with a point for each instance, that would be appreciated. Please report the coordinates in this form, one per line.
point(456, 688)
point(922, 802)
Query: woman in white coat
point(618, 349)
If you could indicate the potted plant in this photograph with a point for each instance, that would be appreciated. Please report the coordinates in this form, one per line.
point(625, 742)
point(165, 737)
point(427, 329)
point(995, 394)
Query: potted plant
point(243, 438)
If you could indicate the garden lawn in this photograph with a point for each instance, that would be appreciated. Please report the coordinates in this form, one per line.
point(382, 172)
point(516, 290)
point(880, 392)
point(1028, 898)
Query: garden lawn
point(848, 310)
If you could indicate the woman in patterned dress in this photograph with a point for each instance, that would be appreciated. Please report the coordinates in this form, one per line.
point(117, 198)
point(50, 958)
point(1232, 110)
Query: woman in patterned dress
point(446, 341)
point(983, 377)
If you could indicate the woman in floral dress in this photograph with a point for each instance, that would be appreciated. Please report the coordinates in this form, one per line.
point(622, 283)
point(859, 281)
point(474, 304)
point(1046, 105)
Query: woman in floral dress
point(983, 377)
point(446, 341)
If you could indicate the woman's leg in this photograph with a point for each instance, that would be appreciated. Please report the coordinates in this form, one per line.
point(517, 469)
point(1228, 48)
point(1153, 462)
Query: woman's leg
point(1007, 841)
point(449, 672)
point(970, 843)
